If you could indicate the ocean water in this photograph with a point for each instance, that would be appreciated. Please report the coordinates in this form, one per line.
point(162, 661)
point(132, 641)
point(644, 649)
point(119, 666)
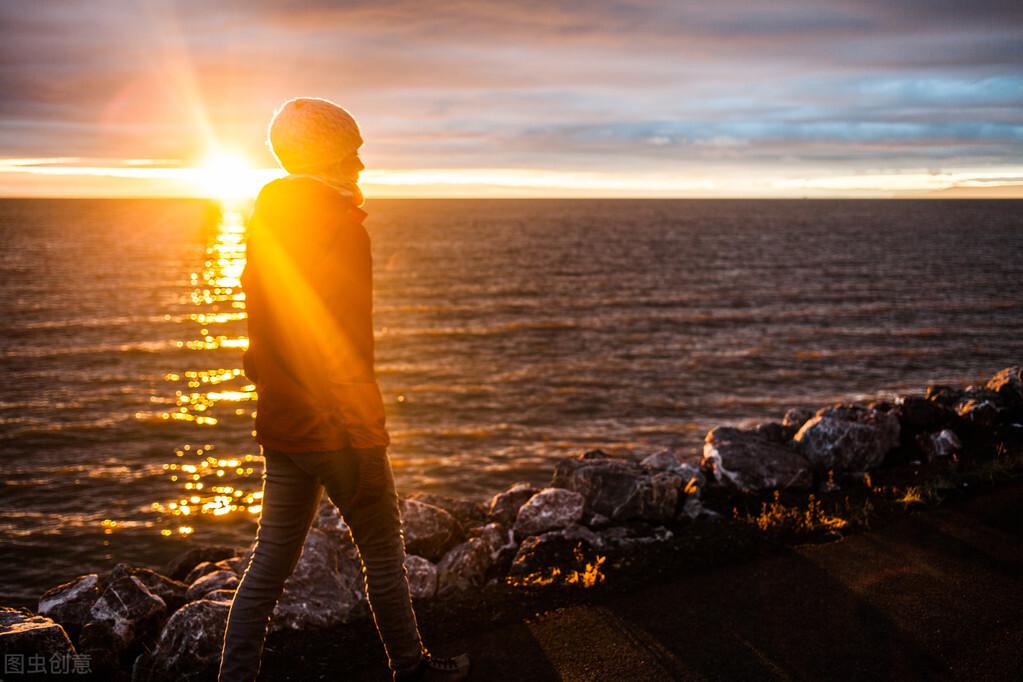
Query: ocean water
point(509, 333)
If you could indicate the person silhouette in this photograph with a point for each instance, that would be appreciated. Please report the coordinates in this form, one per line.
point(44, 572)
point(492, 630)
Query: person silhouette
point(320, 417)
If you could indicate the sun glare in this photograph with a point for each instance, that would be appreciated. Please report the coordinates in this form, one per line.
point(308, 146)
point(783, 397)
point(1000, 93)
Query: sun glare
point(227, 175)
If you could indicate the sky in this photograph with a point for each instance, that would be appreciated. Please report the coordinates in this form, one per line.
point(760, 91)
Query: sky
point(597, 98)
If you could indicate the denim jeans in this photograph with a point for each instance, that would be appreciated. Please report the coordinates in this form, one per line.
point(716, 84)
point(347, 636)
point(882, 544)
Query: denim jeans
point(361, 484)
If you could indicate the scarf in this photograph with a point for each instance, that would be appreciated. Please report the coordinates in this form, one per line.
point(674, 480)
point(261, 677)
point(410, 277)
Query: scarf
point(345, 186)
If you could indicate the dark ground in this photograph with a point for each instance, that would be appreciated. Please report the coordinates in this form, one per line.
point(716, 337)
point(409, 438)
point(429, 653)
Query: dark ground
point(932, 594)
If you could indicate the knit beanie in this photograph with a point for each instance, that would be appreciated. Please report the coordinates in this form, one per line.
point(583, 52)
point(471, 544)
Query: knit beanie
point(307, 134)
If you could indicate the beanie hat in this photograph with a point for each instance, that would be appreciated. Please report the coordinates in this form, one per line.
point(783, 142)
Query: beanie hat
point(308, 133)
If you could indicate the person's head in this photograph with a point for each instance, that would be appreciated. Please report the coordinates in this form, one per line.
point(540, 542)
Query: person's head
point(314, 136)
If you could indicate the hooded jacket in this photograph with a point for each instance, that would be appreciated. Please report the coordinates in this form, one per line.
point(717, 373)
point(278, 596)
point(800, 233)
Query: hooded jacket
point(309, 297)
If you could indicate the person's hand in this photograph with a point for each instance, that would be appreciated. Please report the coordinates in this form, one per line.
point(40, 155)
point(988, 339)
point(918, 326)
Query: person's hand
point(371, 478)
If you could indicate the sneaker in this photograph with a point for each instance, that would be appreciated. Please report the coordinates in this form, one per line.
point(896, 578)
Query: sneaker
point(433, 668)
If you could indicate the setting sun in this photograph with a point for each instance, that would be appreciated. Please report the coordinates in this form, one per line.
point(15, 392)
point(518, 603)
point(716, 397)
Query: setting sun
point(228, 175)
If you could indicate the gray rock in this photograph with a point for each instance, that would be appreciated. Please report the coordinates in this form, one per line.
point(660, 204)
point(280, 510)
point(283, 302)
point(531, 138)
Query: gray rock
point(557, 549)
point(319, 592)
point(496, 537)
point(220, 595)
point(129, 608)
point(748, 462)
point(422, 576)
point(795, 418)
point(847, 438)
point(917, 414)
point(70, 603)
point(467, 512)
point(201, 569)
point(504, 507)
point(217, 580)
point(1008, 386)
point(549, 509)
point(668, 460)
point(940, 445)
point(464, 566)
point(172, 592)
point(979, 413)
point(26, 634)
point(620, 489)
point(429, 531)
point(329, 519)
point(180, 566)
point(627, 538)
point(189, 645)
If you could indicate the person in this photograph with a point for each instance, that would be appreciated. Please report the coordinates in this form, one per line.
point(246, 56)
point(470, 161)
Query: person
point(320, 416)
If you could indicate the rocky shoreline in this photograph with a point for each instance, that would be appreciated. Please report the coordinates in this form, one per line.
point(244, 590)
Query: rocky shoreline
point(599, 511)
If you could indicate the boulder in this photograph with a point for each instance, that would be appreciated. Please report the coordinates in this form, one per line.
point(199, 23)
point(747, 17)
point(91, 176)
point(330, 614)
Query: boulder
point(180, 566)
point(504, 507)
point(940, 445)
point(618, 488)
point(422, 576)
point(560, 549)
point(129, 608)
point(217, 580)
point(847, 438)
point(917, 414)
point(329, 519)
point(319, 592)
point(748, 462)
point(774, 432)
point(31, 638)
point(467, 512)
point(496, 537)
point(1008, 386)
point(628, 538)
point(549, 509)
point(668, 460)
point(464, 566)
point(103, 647)
point(220, 595)
point(70, 603)
point(429, 531)
point(172, 592)
point(980, 413)
point(201, 569)
point(944, 395)
point(189, 646)
point(795, 418)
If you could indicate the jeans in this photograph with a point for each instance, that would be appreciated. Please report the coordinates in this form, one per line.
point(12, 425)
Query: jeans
point(360, 482)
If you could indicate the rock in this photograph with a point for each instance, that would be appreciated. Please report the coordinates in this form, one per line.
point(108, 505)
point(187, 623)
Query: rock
point(549, 509)
point(189, 646)
point(504, 507)
point(227, 565)
point(774, 432)
point(496, 537)
point(979, 413)
point(172, 592)
point(1008, 386)
point(217, 580)
point(556, 549)
point(422, 576)
point(464, 566)
point(70, 603)
point(319, 592)
point(943, 395)
point(103, 646)
point(748, 462)
point(940, 445)
point(30, 638)
point(201, 569)
point(620, 489)
point(467, 512)
point(847, 438)
point(129, 608)
point(180, 566)
point(668, 460)
point(220, 595)
point(795, 418)
point(329, 519)
point(429, 531)
point(628, 538)
point(238, 564)
point(917, 414)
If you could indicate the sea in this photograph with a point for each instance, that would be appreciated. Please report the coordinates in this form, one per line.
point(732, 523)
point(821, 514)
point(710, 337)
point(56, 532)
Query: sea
point(510, 333)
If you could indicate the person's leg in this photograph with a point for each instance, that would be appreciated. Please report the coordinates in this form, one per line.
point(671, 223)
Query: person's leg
point(361, 484)
point(290, 500)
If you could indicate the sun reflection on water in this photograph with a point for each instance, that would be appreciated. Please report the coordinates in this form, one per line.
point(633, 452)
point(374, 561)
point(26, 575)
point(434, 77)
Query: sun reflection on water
point(212, 484)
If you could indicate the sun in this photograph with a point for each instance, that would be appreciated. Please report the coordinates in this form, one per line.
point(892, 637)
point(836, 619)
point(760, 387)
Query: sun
point(227, 175)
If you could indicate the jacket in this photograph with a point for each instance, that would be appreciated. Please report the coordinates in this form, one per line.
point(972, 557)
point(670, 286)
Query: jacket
point(309, 297)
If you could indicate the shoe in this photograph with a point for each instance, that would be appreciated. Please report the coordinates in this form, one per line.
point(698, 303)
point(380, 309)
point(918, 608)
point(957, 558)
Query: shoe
point(432, 669)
